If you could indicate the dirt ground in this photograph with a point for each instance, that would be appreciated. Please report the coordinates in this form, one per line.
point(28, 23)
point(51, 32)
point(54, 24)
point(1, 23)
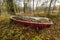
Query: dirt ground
point(18, 32)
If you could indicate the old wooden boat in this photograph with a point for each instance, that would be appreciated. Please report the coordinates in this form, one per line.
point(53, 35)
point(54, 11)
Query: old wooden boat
point(41, 22)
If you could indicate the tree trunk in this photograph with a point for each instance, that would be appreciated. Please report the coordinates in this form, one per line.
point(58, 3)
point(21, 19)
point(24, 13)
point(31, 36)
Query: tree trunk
point(54, 6)
point(49, 9)
point(10, 7)
point(33, 5)
point(25, 6)
point(0, 6)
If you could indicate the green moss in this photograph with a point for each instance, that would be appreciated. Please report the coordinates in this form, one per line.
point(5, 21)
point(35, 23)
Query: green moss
point(37, 37)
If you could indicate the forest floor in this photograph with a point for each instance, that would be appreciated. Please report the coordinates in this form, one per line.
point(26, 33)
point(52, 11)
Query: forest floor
point(18, 32)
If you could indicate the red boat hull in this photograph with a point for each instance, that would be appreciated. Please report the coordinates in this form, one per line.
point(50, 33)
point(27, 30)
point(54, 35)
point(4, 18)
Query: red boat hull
point(31, 24)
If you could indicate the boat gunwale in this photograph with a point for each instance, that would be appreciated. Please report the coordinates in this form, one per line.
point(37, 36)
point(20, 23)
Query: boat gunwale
point(32, 22)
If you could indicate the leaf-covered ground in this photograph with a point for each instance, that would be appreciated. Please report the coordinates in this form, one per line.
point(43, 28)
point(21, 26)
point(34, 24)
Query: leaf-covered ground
point(18, 32)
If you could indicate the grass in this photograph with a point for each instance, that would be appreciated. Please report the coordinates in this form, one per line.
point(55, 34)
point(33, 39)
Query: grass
point(18, 32)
